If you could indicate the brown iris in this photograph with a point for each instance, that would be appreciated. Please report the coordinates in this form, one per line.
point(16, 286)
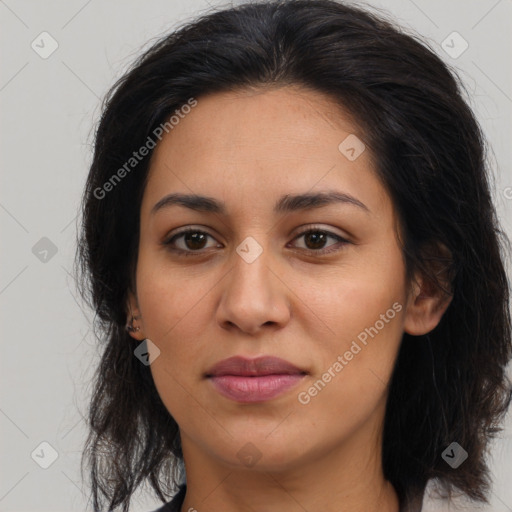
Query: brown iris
point(316, 238)
point(195, 240)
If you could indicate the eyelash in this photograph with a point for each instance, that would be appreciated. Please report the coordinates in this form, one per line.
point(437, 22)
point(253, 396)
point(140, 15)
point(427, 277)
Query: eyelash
point(182, 252)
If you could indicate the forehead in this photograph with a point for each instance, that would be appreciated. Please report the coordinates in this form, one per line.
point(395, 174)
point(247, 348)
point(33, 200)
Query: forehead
point(248, 145)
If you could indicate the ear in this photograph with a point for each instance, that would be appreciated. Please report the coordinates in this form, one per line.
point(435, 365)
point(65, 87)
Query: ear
point(428, 300)
point(134, 317)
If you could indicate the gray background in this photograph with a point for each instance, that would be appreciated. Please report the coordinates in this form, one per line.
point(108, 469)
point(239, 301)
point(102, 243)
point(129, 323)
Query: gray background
point(48, 109)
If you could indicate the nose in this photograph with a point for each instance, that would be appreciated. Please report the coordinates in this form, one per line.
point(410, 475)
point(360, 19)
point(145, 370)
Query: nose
point(254, 297)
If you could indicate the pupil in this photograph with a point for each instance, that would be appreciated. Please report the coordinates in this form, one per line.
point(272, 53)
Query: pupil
point(194, 238)
point(317, 239)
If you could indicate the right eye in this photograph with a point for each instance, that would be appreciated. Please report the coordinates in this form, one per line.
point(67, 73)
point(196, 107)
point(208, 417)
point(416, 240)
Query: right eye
point(188, 241)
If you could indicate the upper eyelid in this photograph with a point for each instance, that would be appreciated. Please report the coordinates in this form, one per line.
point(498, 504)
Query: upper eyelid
point(316, 227)
point(186, 230)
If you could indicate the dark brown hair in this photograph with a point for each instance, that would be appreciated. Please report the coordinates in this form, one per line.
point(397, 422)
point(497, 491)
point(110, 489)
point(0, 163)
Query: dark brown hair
point(430, 154)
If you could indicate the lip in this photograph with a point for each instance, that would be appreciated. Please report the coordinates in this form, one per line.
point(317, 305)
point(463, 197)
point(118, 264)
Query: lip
point(254, 380)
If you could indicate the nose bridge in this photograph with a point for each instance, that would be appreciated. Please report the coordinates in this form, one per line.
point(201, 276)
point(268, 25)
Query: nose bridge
point(252, 269)
point(253, 295)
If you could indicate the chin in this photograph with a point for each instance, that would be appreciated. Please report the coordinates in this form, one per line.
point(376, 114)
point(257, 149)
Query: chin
point(259, 452)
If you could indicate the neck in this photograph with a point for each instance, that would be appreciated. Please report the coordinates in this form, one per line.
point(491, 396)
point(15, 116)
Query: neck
point(347, 477)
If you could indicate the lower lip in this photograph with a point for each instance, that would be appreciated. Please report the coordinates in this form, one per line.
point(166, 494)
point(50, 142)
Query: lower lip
point(254, 389)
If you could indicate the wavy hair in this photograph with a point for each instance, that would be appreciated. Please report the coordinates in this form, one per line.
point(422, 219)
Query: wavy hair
point(430, 154)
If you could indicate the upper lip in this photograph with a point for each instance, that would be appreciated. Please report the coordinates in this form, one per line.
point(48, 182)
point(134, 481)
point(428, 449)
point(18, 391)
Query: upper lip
point(264, 365)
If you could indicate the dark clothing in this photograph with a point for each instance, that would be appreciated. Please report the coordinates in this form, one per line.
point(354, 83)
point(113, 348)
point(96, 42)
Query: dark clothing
point(175, 504)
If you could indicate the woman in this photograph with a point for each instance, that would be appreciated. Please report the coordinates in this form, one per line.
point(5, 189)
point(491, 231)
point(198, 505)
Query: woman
point(290, 244)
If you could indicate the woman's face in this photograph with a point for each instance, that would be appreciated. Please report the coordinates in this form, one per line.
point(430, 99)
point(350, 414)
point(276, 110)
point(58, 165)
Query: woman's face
point(250, 281)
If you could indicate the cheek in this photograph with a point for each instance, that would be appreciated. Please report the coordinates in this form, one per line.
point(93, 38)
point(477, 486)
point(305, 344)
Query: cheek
point(364, 311)
point(175, 313)
point(352, 298)
point(172, 302)
point(356, 366)
point(174, 317)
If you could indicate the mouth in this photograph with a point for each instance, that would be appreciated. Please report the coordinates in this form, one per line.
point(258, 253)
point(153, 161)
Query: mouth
point(254, 380)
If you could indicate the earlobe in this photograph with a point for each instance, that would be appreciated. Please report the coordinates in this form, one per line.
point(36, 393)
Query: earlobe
point(134, 320)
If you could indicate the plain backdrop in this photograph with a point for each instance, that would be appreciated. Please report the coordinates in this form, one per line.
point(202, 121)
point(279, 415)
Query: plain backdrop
point(58, 59)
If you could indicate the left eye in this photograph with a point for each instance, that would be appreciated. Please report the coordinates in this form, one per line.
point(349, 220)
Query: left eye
point(315, 240)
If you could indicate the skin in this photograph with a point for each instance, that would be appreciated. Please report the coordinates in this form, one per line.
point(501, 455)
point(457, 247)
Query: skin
point(247, 149)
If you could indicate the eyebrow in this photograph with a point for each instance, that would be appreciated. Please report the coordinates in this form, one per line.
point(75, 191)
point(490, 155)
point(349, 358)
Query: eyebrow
point(287, 203)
